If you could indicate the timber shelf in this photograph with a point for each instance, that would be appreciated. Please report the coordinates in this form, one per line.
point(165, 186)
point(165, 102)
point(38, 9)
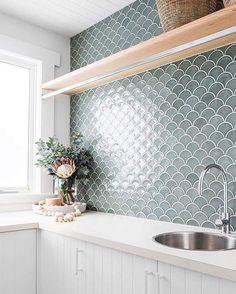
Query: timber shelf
point(212, 31)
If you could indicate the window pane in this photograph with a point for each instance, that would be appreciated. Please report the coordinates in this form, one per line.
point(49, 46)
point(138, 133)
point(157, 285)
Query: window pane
point(14, 114)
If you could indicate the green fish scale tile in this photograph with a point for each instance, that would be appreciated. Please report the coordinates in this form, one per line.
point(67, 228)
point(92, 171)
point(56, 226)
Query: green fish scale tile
point(152, 134)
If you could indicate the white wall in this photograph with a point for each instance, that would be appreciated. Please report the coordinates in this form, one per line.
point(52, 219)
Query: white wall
point(20, 30)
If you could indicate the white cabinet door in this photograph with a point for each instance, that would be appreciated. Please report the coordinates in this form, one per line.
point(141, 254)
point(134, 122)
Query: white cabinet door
point(18, 262)
point(176, 280)
point(50, 266)
point(110, 271)
point(70, 266)
point(59, 269)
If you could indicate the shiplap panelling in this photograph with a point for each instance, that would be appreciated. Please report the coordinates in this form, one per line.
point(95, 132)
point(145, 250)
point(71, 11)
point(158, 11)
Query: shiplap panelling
point(56, 264)
point(178, 280)
point(67, 17)
point(18, 262)
point(74, 266)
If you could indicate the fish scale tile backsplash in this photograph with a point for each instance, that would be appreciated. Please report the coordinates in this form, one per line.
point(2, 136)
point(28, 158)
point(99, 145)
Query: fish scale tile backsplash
point(152, 134)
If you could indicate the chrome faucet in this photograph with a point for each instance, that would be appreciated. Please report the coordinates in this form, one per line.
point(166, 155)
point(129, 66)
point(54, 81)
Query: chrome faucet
point(224, 220)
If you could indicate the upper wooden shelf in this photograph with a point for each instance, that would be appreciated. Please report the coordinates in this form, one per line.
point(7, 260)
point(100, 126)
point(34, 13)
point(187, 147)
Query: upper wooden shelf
point(212, 31)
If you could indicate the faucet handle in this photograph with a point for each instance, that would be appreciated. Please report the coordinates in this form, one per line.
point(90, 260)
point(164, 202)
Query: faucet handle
point(219, 221)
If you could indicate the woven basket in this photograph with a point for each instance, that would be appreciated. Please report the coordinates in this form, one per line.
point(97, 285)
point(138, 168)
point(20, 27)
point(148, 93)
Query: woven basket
point(175, 13)
point(228, 3)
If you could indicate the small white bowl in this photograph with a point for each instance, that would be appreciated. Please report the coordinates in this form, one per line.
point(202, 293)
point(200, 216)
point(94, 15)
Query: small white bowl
point(55, 208)
point(63, 209)
point(81, 205)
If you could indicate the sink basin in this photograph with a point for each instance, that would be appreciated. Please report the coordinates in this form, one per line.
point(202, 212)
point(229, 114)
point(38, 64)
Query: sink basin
point(196, 241)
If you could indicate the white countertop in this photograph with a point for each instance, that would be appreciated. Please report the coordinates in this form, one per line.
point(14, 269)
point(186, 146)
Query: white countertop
point(128, 234)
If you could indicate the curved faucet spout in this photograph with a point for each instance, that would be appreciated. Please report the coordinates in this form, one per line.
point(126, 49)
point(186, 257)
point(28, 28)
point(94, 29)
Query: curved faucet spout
point(225, 218)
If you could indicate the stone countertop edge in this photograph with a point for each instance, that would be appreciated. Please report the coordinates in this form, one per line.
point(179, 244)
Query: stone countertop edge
point(131, 235)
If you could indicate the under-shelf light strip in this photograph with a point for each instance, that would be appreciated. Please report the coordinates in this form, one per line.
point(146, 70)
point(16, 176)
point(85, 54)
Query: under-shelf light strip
point(146, 60)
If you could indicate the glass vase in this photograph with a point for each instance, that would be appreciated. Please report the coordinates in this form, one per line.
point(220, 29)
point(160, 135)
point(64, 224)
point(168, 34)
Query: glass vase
point(66, 189)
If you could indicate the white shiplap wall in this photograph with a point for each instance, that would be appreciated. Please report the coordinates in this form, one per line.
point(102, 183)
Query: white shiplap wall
point(66, 17)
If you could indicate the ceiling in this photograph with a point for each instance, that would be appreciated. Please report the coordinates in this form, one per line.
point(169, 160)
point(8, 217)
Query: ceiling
point(66, 17)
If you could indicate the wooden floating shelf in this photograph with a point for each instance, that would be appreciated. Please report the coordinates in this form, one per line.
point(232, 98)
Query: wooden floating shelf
point(209, 32)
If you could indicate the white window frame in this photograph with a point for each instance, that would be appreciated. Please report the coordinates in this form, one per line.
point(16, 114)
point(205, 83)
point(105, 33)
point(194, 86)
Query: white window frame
point(47, 60)
point(34, 122)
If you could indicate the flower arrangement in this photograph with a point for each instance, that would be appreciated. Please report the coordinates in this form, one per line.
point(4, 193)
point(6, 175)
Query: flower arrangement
point(66, 163)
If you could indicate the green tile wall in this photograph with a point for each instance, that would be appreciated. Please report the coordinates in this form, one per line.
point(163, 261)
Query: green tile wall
point(152, 134)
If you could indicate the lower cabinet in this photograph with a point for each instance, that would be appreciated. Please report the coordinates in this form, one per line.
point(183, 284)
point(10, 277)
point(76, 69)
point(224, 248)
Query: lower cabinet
point(177, 280)
point(18, 262)
point(56, 272)
point(109, 271)
point(68, 266)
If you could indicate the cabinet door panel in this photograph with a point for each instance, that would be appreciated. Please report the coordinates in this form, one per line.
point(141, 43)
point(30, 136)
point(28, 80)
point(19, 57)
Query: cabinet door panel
point(114, 272)
point(178, 280)
point(165, 283)
point(228, 287)
point(145, 278)
point(139, 268)
point(210, 285)
point(18, 262)
point(93, 268)
point(151, 277)
point(57, 267)
point(107, 272)
point(50, 263)
point(127, 273)
point(193, 282)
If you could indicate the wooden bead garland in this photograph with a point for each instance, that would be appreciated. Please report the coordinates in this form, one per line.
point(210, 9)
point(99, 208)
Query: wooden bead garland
point(60, 216)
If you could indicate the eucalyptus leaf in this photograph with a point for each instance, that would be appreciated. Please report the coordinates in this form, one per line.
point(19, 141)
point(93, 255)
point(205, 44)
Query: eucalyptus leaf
point(51, 150)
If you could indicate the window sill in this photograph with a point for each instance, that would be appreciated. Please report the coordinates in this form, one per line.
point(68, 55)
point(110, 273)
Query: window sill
point(20, 201)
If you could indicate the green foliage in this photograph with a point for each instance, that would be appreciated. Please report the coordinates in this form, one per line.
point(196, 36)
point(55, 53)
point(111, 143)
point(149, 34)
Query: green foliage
point(52, 150)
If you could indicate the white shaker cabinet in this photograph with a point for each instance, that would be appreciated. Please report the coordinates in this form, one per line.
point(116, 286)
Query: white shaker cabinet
point(177, 280)
point(18, 262)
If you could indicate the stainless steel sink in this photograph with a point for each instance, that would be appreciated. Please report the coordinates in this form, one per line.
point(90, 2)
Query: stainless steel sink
point(196, 241)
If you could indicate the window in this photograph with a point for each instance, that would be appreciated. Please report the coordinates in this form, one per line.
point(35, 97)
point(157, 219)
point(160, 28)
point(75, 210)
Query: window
point(16, 125)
